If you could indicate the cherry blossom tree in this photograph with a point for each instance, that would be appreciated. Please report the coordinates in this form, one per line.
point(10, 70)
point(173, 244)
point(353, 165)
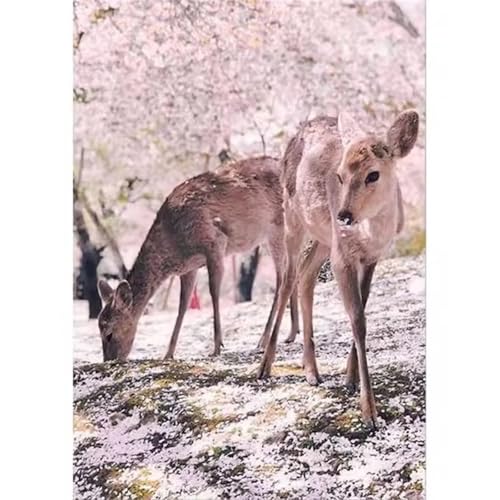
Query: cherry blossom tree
point(161, 87)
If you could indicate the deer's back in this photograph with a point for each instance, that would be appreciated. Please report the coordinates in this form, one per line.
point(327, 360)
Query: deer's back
point(311, 158)
point(320, 131)
point(242, 200)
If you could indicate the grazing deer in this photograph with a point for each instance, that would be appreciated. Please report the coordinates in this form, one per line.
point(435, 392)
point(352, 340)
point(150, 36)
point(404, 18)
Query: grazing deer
point(204, 219)
point(341, 188)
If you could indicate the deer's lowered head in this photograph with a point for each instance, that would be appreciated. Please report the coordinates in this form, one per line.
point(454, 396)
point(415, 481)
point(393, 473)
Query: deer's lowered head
point(367, 174)
point(117, 320)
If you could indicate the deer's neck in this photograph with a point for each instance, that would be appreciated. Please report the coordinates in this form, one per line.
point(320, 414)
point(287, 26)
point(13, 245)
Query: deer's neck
point(377, 233)
point(149, 271)
point(143, 284)
point(390, 212)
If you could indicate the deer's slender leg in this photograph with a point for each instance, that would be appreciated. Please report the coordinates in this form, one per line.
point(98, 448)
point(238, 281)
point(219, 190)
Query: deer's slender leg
point(352, 378)
point(264, 338)
point(215, 267)
point(187, 284)
point(276, 245)
point(294, 315)
point(307, 280)
point(294, 240)
point(366, 282)
point(277, 250)
point(347, 279)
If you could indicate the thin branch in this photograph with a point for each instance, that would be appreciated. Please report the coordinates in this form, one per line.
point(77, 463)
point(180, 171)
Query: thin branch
point(77, 40)
point(401, 19)
point(110, 240)
point(410, 81)
point(262, 139)
point(237, 91)
point(167, 294)
point(207, 162)
point(80, 170)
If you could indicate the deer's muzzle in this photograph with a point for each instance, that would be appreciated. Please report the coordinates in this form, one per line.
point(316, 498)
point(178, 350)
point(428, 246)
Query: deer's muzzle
point(109, 350)
point(345, 217)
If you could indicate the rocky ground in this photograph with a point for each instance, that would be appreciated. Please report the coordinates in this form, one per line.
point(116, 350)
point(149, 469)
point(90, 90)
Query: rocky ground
point(204, 428)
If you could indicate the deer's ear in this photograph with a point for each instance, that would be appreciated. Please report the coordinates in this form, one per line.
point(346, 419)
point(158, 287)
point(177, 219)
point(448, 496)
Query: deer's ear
point(402, 135)
point(123, 295)
point(348, 128)
point(105, 291)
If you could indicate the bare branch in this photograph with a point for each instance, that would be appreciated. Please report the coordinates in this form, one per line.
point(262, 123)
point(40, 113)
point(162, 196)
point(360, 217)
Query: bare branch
point(80, 170)
point(77, 40)
point(207, 162)
point(164, 305)
point(262, 139)
point(108, 237)
point(401, 19)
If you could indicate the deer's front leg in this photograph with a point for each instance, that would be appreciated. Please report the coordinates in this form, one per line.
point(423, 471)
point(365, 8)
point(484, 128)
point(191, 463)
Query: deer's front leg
point(352, 378)
point(349, 285)
point(187, 284)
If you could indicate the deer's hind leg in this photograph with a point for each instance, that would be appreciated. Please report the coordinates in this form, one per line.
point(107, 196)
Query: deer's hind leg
point(187, 284)
point(352, 377)
point(293, 241)
point(308, 273)
point(215, 267)
point(294, 316)
point(276, 246)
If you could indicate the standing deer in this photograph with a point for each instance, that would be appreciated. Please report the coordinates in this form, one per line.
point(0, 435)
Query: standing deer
point(204, 219)
point(340, 187)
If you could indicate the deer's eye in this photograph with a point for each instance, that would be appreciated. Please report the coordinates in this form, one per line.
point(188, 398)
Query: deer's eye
point(340, 179)
point(372, 177)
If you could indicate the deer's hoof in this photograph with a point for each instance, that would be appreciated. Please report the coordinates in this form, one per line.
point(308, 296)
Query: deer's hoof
point(290, 339)
point(264, 370)
point(371, 423)
point(352, 387)
point(168, 357)
point(215, 353)
point(369, 413)
point(313, 378)
point(261, 345)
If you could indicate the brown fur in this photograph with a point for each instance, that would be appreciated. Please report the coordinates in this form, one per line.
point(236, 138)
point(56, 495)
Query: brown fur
point(328, 171)
point(204, 219)
point(295, 148)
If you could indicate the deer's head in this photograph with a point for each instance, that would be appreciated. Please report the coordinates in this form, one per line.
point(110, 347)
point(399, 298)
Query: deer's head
point(116, 321)
point(367, 173)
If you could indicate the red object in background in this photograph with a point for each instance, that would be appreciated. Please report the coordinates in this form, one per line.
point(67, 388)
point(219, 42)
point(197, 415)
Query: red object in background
point(195, 301)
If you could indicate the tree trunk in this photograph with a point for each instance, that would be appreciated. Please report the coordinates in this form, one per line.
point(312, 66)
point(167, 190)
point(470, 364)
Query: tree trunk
point(106, 234)
point(89, 260)
point(91, 255)
point(248, 271)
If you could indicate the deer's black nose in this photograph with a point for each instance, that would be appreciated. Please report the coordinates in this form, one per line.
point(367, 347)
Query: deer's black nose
point(345, 217)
